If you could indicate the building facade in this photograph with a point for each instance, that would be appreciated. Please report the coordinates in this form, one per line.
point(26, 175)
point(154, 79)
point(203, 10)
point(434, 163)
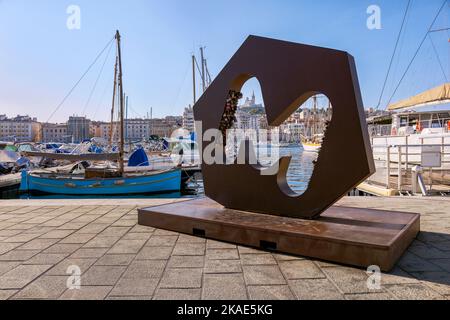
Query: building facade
point(54, 132)
point(19, 129)
point(164, 127)
point(245, 120)
point(78, 128)
point(94, 129)
point(104, 131)
point(188, 119)
point(138, 129)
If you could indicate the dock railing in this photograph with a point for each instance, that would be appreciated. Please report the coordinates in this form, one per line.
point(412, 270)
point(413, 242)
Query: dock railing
point(380, 130)
point(399, 165)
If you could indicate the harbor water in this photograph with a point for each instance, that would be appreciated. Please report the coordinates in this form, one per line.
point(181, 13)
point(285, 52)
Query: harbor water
point(298, 176)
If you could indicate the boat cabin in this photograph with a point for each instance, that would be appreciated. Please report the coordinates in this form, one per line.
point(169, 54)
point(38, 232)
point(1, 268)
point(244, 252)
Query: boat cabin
point(425, 113)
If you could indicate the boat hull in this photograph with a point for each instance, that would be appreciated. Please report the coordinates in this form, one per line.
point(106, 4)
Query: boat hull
point(311, 147)
point(163, 182)
point(10, 181)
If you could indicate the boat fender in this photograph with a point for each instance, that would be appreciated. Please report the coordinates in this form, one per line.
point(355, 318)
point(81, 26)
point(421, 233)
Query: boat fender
point(119, 182)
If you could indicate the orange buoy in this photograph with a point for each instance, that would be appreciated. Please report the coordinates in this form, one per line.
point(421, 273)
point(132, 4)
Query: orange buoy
point(419, 127)
point(393, 132)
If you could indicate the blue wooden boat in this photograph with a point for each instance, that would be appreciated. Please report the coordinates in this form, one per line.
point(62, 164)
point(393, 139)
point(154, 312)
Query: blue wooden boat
point(165, 181)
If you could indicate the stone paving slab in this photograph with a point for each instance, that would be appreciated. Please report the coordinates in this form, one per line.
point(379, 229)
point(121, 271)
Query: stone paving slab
point(46, 245)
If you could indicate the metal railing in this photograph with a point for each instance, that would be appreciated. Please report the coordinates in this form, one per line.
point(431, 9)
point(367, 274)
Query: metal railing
point(380, 130)
point(399, 160)
point(418, 126)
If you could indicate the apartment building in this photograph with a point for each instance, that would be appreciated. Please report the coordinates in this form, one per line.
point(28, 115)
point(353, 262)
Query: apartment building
point(19, 129)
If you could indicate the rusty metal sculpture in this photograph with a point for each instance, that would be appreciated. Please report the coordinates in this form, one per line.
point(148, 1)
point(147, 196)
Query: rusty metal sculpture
point(261, 211)
point(290, 74)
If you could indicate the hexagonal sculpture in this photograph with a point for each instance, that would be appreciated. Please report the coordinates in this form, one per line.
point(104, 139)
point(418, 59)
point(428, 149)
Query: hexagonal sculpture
point(289, 74)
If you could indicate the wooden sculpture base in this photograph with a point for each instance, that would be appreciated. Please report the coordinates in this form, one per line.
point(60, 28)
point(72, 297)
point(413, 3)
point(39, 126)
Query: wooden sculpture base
point(351, 236)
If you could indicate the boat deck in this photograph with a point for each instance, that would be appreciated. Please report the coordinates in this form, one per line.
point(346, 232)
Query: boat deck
point(9, 180)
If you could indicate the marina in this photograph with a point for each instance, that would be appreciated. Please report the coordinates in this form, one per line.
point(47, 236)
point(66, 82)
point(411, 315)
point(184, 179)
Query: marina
point(410, 144)
point(151, 152)
point(95, 170)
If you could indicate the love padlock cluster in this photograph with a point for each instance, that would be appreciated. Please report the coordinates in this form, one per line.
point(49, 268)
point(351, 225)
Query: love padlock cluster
point(229, 114)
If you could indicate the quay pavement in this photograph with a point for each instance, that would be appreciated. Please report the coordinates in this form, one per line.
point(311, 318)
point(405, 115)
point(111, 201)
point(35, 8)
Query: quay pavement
point(94, 249)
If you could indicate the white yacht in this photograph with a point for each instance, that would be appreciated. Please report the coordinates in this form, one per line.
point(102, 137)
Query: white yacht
point(420, 120)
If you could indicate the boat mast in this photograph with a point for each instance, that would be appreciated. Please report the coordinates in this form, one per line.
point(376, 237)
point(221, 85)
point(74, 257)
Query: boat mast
point(314, 117)
point(203, 69)
point(193, 79)
point(121, 144)
point(111, 129)
point(127, 136)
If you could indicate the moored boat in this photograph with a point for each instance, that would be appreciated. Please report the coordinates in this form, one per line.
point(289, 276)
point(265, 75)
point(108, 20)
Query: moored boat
point(312, 142)
point(164, 181)
point(9, 181)
point(423, 119)
point(98, 175)
point(311, 147)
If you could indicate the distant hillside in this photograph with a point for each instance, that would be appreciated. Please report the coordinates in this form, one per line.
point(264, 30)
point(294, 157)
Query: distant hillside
point(256, 109)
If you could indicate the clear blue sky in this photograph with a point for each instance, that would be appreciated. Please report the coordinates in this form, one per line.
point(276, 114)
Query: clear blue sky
point(40, 59)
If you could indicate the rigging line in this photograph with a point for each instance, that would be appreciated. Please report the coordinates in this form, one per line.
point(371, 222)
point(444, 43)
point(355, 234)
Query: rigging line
point(207, 73)
point(399, 54)
point(96, 81)
point(417, 52)
point(448, 37)
point(439, 30)
point(393, 54)
point(198, 68)
point(101, 100)
point(438, 58)
point(79, 80)
point(135, 112)
point(180, 88)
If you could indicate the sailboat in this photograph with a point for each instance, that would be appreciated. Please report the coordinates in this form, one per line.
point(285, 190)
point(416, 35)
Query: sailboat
point(311, 146)
point(107, 180)
point(313, 142)
point(11, 164)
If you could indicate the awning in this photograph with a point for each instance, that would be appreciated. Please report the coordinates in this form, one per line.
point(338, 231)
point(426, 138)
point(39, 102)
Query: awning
point(433, 96)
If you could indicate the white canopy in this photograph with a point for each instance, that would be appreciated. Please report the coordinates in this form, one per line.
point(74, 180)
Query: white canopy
point(436, 95)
